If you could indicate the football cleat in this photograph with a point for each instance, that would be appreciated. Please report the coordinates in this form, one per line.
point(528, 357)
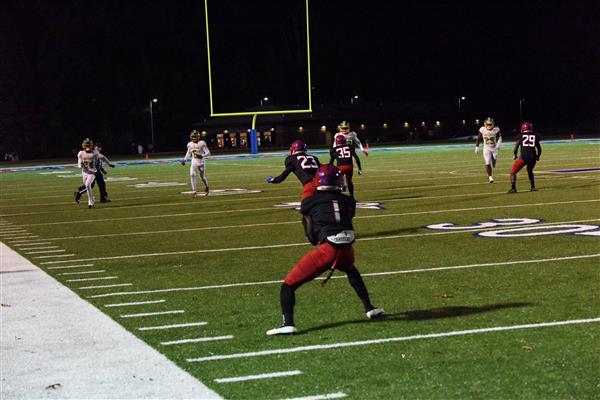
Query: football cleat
point(533, 189)
point(375, 313)
point(513, 190)
point(90, 206)
point(194, 194)
point(491, 179)
point(282, 330)
point(76, 197)
point(297, 146)
point(206, 191)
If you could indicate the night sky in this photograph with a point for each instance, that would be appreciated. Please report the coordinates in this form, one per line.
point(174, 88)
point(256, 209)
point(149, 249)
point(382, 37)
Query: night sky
point(69, 67)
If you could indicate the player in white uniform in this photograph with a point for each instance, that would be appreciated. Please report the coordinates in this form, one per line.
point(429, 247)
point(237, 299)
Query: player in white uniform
point(197, 150)
point(492, 140)
point(86, 160)
point(351, 137)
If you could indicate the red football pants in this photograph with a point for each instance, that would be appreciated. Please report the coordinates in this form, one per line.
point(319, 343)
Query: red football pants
point(348, 171)
point(519, 164)
point(319, 260)
point(308, 190)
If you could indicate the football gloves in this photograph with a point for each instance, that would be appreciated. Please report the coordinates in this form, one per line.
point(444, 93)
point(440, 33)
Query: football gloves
point(183, 163)
point(360, 171)
point(476, 149)
point(269, 179)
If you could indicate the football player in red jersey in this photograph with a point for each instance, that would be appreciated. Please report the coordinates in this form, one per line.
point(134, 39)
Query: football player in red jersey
point(302, 164)
point(531, 150)
point(327, 220)
point(344, 152)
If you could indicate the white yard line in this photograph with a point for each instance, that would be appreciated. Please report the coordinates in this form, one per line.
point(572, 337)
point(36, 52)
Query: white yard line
point(135, 303)
point(197, 340)
point(214, 227)
point(57, 256)
point(174, 326)
point(259, 376)
point(151, 314)
point(336, 395)
point(17, 239)
point(72, 266)
point(104, 278)
point(14, 235)
point(38, 248)
point(45, 251)
point(73, 343)
point(105, 286)
point(230, 285)
point(98, 271)
point(231, 249)
point(29, 244)
point(390, 340)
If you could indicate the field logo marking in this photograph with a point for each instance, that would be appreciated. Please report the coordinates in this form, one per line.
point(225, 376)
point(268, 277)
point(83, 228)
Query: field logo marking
point(526, 231)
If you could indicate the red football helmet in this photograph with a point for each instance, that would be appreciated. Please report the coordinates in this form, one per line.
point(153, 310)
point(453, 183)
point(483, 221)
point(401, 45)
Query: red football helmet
point(526, 127)
point(328, 178)
point(297, 145)
point(340, 139)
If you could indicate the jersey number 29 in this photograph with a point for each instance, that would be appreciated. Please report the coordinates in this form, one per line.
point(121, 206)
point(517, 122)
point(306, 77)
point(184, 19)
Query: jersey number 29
point(528, 140)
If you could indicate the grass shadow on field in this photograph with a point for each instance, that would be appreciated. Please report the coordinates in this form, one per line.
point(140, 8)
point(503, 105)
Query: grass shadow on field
point(420, 315)
point(391, 232)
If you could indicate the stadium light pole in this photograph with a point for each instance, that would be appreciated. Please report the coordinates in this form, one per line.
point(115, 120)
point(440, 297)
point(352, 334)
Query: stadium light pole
point(353, 99)
point(263, 100)
point(152, 122)
point(460, 100)
point(521, 100)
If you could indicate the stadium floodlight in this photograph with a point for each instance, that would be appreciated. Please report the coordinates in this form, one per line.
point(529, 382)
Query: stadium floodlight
point(253, 138)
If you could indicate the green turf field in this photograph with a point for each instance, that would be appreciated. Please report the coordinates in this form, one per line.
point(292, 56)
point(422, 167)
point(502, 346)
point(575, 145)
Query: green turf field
point(468, 316)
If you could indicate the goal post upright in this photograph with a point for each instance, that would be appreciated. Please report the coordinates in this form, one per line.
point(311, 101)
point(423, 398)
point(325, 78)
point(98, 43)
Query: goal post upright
point(253, 140)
